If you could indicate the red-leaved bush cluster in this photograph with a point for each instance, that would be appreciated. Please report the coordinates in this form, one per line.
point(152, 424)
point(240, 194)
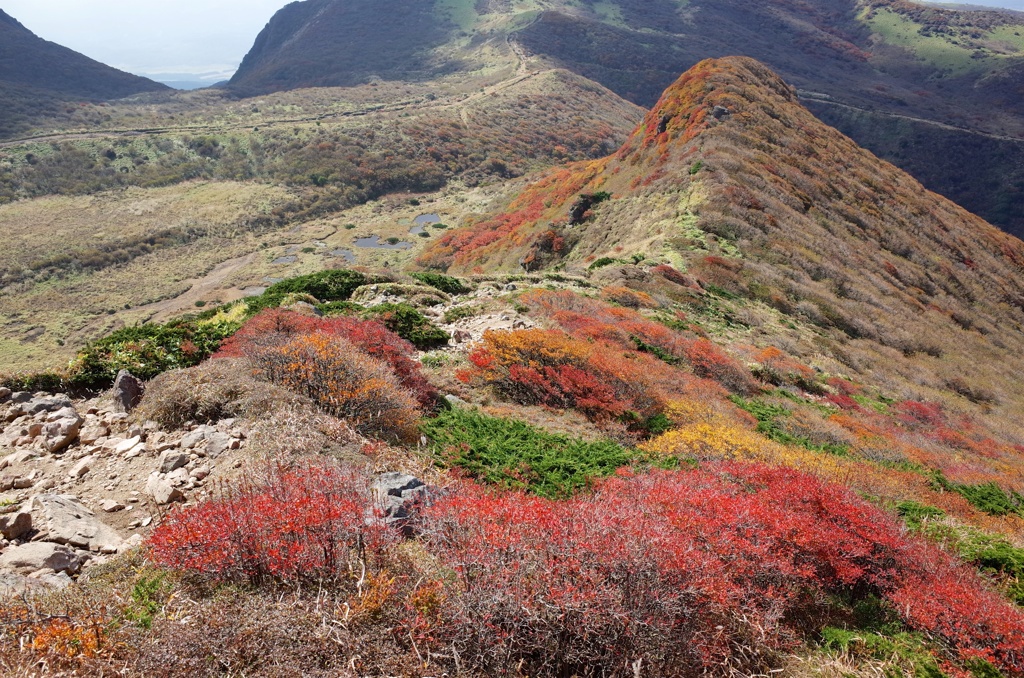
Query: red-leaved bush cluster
point(306, 524)
point(712, 570)
point(593, 319)
point(275, 326)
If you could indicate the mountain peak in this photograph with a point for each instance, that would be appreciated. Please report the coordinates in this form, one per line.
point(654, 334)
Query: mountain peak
point(713, 90)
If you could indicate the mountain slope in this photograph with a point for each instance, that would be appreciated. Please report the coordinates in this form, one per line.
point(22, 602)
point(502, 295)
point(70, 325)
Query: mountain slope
point(37, 75)
point(731, 178)
point(889, 57)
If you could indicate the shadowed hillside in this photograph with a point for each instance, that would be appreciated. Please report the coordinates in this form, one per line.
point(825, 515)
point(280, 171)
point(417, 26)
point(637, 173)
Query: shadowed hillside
point(37, 76)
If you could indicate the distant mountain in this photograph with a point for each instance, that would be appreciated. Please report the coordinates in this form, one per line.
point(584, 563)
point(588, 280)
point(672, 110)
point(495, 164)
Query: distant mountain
point(37, 76)
point(849, 58)
point(330, 43)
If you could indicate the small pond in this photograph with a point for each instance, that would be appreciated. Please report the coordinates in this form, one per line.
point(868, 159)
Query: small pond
point(348, 255)
point(424, 220)
point(377, 243)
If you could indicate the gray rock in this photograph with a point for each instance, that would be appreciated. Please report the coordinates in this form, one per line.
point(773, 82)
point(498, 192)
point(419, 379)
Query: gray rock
point(123, 446)
point(397, 496)
point(21, 397)
point(193, 438)
point(62, 432)
point(35, 556)
point(216, 443)
point(82, 467)
point(63, 519)
point(5, 394)
point(15, 525)
point(46, 404)
point(162, 490)
point(90, 434)
point(170, 461)
point(456, 400)
point(127, 392)
point(111, 506)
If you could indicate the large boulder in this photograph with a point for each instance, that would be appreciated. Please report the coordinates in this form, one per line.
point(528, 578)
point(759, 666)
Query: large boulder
point(60, 430)
point(128, 391)
point(162, 489)
point(63, 519)
point(36, 556)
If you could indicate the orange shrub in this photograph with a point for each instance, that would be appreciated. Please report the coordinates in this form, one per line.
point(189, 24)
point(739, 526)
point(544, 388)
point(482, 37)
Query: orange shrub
point(629, 298)
point(343, 381)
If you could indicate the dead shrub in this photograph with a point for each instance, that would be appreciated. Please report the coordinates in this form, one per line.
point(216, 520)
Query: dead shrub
point(214, 390)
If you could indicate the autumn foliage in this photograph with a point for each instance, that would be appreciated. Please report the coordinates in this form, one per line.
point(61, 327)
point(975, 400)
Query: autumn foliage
point(274, 326)
point(723, 566)
point(307, 524)
point(343, 381)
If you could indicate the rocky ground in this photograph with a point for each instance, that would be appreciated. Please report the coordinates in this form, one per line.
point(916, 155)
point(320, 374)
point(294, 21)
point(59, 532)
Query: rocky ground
point(81, 480)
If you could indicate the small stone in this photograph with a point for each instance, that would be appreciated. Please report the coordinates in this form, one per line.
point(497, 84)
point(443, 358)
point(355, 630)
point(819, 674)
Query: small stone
point(162, 490)
point(5, 394)
point(15, 525)
point(92, 434)
point(136, 451)
point(111, 506)
point(146, 522)
point(216, 443)
point(169, 461)
point(81, 468)
point(126, 445)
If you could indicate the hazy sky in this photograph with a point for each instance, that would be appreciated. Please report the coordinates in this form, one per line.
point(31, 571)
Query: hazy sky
point(151, 37)
point(154, 37)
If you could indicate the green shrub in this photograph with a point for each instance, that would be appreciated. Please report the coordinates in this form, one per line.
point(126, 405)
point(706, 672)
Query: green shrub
point(445, 283)
point(332, 308)
point(914, 513)
point(768, 414)
point(409, 324)
point(987, 497)
point(602, 262)
point(146, 351)
point(515, 455)
point(331, 285)
point(35, 381)
point(460, 312)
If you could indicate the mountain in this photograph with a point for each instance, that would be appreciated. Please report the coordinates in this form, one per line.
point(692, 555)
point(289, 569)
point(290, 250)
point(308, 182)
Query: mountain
point(731, 177)
point(38, 76)
point(949, 73)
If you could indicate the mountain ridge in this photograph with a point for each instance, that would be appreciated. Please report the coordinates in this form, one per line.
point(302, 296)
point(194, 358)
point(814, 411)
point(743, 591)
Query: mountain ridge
point(888, 56)
point(729, 174)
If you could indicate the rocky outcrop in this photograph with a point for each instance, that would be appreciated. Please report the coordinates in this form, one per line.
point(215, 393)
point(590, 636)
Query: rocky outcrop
point(83, 477)
point(36, 556)
point(63, 519)
point(127, 392)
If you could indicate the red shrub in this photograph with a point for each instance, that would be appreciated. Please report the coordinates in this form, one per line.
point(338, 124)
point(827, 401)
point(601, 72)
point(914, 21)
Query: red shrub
point(307, 524)
point(598, 321)
point(708, 361)
point(690, 570)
